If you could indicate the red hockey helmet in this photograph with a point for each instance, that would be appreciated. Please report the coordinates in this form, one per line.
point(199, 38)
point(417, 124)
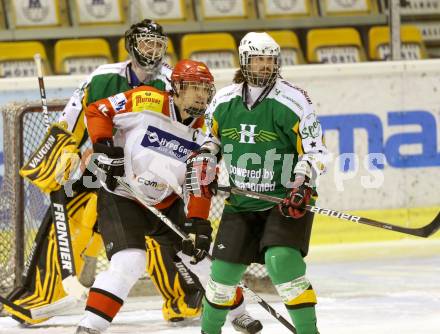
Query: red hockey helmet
point(191, 70)
point(193, 84)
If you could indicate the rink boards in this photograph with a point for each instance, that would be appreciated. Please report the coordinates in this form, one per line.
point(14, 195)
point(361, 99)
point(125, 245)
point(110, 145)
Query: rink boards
point(381, 123)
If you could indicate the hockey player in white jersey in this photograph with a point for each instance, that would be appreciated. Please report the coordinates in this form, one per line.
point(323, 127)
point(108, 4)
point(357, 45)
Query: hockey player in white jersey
point(146, 45)
point(146, 135)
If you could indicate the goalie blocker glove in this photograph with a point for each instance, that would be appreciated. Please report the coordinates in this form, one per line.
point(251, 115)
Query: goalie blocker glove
point(51, 165)
point(110, 162)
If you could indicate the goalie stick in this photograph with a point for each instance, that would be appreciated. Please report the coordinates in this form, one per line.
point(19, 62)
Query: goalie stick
point(59, 212)
point(423, 232)
point(185, 236)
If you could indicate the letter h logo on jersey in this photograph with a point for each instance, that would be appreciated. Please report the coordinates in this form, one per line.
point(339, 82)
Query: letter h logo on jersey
point(247, 131)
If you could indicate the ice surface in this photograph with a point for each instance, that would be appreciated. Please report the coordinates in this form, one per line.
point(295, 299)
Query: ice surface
point(376, 288)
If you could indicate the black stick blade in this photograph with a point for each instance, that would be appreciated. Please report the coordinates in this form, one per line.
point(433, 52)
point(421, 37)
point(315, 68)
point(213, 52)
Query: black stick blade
point(430, 229)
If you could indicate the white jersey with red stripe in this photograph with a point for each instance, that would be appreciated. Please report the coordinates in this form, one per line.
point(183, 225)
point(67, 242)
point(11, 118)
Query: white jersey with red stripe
point(155, 150)
point(143, 121)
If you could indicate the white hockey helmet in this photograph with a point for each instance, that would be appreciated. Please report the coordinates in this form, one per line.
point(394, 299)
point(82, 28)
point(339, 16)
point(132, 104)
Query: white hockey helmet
point(259, 44)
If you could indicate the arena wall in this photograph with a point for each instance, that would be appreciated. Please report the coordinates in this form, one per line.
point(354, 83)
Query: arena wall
point(381, 122)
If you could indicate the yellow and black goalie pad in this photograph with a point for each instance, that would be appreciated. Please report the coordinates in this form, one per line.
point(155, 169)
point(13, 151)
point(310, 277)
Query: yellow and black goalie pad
point(43, 283)
point(180, 289)
point(52, 163)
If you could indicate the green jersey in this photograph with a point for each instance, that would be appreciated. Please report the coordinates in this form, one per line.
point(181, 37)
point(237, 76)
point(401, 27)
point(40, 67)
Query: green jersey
point(107, 80)
point(261, 145)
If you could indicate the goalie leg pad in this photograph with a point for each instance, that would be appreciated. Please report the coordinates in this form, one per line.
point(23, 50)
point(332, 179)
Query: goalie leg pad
point(92, 242)
point(161, 269)
point(186, 307)
point(179, 288)
point(95, 245)
point(81, 222)
point(201, 269)
point(90, 211)
point(43, 285)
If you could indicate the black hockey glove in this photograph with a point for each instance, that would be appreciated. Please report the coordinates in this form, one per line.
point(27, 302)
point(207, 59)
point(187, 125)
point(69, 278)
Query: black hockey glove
point(201, 174)
point(200, 248)
point(110, 162)
point(296, 200)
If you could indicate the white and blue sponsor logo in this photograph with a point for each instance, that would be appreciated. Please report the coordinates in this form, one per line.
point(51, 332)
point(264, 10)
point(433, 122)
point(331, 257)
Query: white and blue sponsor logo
point(168, 144)
point(118, 102)
point(380, 141)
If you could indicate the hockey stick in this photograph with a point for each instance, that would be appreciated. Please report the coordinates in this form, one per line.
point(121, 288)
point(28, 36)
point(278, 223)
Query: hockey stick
point(185, 236)
point(423, 232)
point(58, 206)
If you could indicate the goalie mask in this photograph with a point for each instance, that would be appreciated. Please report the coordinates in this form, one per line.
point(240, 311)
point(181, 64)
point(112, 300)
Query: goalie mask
point(259, 58)
point(193, 85)
point(146, 44)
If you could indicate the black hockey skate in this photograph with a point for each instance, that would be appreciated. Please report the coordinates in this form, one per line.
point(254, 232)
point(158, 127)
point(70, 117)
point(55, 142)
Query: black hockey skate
point(85, 330)
point(246, 324)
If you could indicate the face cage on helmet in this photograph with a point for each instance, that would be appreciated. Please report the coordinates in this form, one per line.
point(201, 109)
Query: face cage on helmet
point(149, 49)
point(188, 101)
point(257, 78)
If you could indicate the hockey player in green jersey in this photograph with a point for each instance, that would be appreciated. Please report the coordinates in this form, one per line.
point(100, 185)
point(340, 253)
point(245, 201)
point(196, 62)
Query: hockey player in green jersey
point(268, 134)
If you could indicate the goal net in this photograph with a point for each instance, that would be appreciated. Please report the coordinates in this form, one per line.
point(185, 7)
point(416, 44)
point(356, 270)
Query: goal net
point(23, 206)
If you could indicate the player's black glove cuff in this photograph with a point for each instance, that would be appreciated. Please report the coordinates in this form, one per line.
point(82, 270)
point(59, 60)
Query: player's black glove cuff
point(110, 161)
